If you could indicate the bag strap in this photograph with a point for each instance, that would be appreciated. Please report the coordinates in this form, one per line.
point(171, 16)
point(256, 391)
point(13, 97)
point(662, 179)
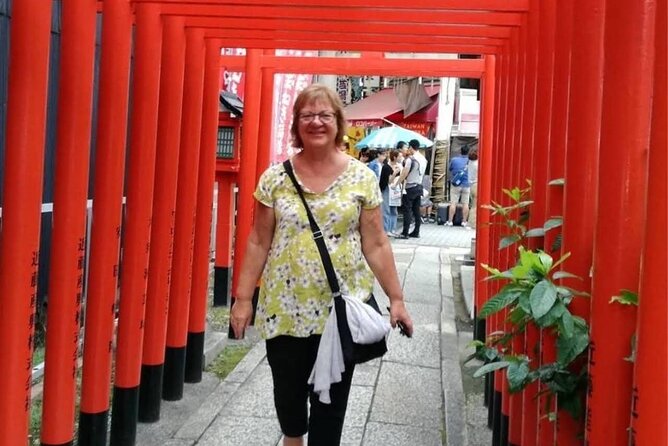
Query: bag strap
point(317, 234)
point(347, 347)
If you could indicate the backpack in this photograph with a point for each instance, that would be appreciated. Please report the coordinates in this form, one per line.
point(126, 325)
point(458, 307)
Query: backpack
point(458, 177)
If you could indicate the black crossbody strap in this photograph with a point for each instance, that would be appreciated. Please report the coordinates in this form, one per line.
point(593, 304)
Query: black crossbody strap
point(317, 234)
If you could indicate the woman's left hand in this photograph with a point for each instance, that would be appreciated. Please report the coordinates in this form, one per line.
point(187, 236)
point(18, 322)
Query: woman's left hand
point(399, 313)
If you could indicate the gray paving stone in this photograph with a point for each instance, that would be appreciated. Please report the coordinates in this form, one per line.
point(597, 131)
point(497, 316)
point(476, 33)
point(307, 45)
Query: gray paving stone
point(449, 348)
point(446, 281)
point(435, 235)
point(476, 412)
point(159, 440)
point(479, 437)
point(424, 313)
point(448, 315)
point(359, 405)
point(423, 349)
point(352, 436)
point(366, 374)
point(381, 434)
point(403, 256)
point(423, 284)
point(255, 397)
point(174, 413)
point(199, 421)
point(242, 430)
point(455, 417)
point(173, 442)
point(408, 395)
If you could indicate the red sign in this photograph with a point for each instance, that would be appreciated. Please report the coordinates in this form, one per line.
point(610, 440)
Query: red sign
point(423, 128)
point(366, 123)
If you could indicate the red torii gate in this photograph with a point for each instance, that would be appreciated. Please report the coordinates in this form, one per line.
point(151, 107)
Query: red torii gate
point(539, 123)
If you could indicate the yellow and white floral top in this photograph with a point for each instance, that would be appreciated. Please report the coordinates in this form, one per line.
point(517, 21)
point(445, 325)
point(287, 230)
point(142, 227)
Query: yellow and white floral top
point(295, 297)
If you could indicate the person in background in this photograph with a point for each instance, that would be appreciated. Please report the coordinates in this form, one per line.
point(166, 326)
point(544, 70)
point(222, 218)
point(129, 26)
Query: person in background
point(418, 154)
point(410, 201)
point(473, 184)
point(402, 146)
point(426, 204)
point(364, 156)
point(387, 174)
point(374, 163)
point(401, 157)
point(459, 193)
point(295, 298)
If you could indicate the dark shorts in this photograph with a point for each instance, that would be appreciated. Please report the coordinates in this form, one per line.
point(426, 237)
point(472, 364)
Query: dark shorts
point(291, 360)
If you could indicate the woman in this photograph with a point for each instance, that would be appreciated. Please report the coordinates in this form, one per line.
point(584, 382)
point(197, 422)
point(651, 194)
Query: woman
point(295, 298)
point(389, 171)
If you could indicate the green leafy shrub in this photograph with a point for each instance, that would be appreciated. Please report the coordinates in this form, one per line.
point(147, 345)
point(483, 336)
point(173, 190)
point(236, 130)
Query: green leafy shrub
point(534, 295)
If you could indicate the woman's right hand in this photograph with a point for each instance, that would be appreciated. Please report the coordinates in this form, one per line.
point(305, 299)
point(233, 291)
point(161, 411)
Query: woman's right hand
point(240, 316)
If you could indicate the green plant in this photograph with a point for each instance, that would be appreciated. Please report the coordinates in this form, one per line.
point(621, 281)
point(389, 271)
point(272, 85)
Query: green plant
point(228, 360)
point(533, 295)
point(516, 215)
point(513, 216)
point(628, 298)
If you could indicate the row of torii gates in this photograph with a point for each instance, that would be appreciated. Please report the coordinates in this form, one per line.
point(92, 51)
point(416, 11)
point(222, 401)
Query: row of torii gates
point(569, 90)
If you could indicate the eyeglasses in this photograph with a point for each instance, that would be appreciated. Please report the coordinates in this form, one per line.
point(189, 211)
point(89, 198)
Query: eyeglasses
point(324, 117)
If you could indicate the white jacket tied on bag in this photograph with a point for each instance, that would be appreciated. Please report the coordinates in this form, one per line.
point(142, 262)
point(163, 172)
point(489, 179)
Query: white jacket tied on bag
point(366, 327)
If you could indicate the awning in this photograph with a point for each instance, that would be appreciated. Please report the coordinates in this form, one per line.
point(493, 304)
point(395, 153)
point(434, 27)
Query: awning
point(382, 105)
point(425, 114)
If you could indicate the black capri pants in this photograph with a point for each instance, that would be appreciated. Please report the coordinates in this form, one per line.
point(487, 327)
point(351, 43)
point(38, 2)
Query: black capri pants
point(291, 360)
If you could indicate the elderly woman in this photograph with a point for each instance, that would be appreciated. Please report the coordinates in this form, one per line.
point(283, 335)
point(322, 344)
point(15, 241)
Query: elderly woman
point(295, 298)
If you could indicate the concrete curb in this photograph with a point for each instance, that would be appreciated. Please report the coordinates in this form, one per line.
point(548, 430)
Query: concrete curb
point(451, 376)
point(468, 287)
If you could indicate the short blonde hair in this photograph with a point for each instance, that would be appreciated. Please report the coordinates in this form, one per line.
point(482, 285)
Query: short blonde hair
point(314, 93)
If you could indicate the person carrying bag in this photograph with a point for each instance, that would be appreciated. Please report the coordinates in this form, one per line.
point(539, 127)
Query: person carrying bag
point(355, 331)
point(294, 302)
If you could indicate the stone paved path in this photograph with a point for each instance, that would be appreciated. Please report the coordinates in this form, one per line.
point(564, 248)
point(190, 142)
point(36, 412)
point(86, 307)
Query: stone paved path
point(407, 398)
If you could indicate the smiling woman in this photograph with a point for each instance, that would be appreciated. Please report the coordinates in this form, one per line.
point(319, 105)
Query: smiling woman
point(295, 297)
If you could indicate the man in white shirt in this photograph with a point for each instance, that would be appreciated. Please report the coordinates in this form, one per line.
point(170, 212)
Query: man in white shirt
point(412, 173)
point(418, 154)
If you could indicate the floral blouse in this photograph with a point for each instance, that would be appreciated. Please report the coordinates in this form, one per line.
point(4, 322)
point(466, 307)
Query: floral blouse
point(295, 297)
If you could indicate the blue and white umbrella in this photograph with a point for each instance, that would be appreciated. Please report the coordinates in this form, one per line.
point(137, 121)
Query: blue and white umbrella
point(388, 137)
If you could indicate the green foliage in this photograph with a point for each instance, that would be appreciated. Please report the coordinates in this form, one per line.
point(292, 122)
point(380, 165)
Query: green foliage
point(518, 373)
point(228, 360)
point(490, 367)
point(535, 232)
point(553, 222)
point(513, 216)
point(506, 297)
point(532, 295)
point(626, 297)
point(556, 244)
point(35, 422)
